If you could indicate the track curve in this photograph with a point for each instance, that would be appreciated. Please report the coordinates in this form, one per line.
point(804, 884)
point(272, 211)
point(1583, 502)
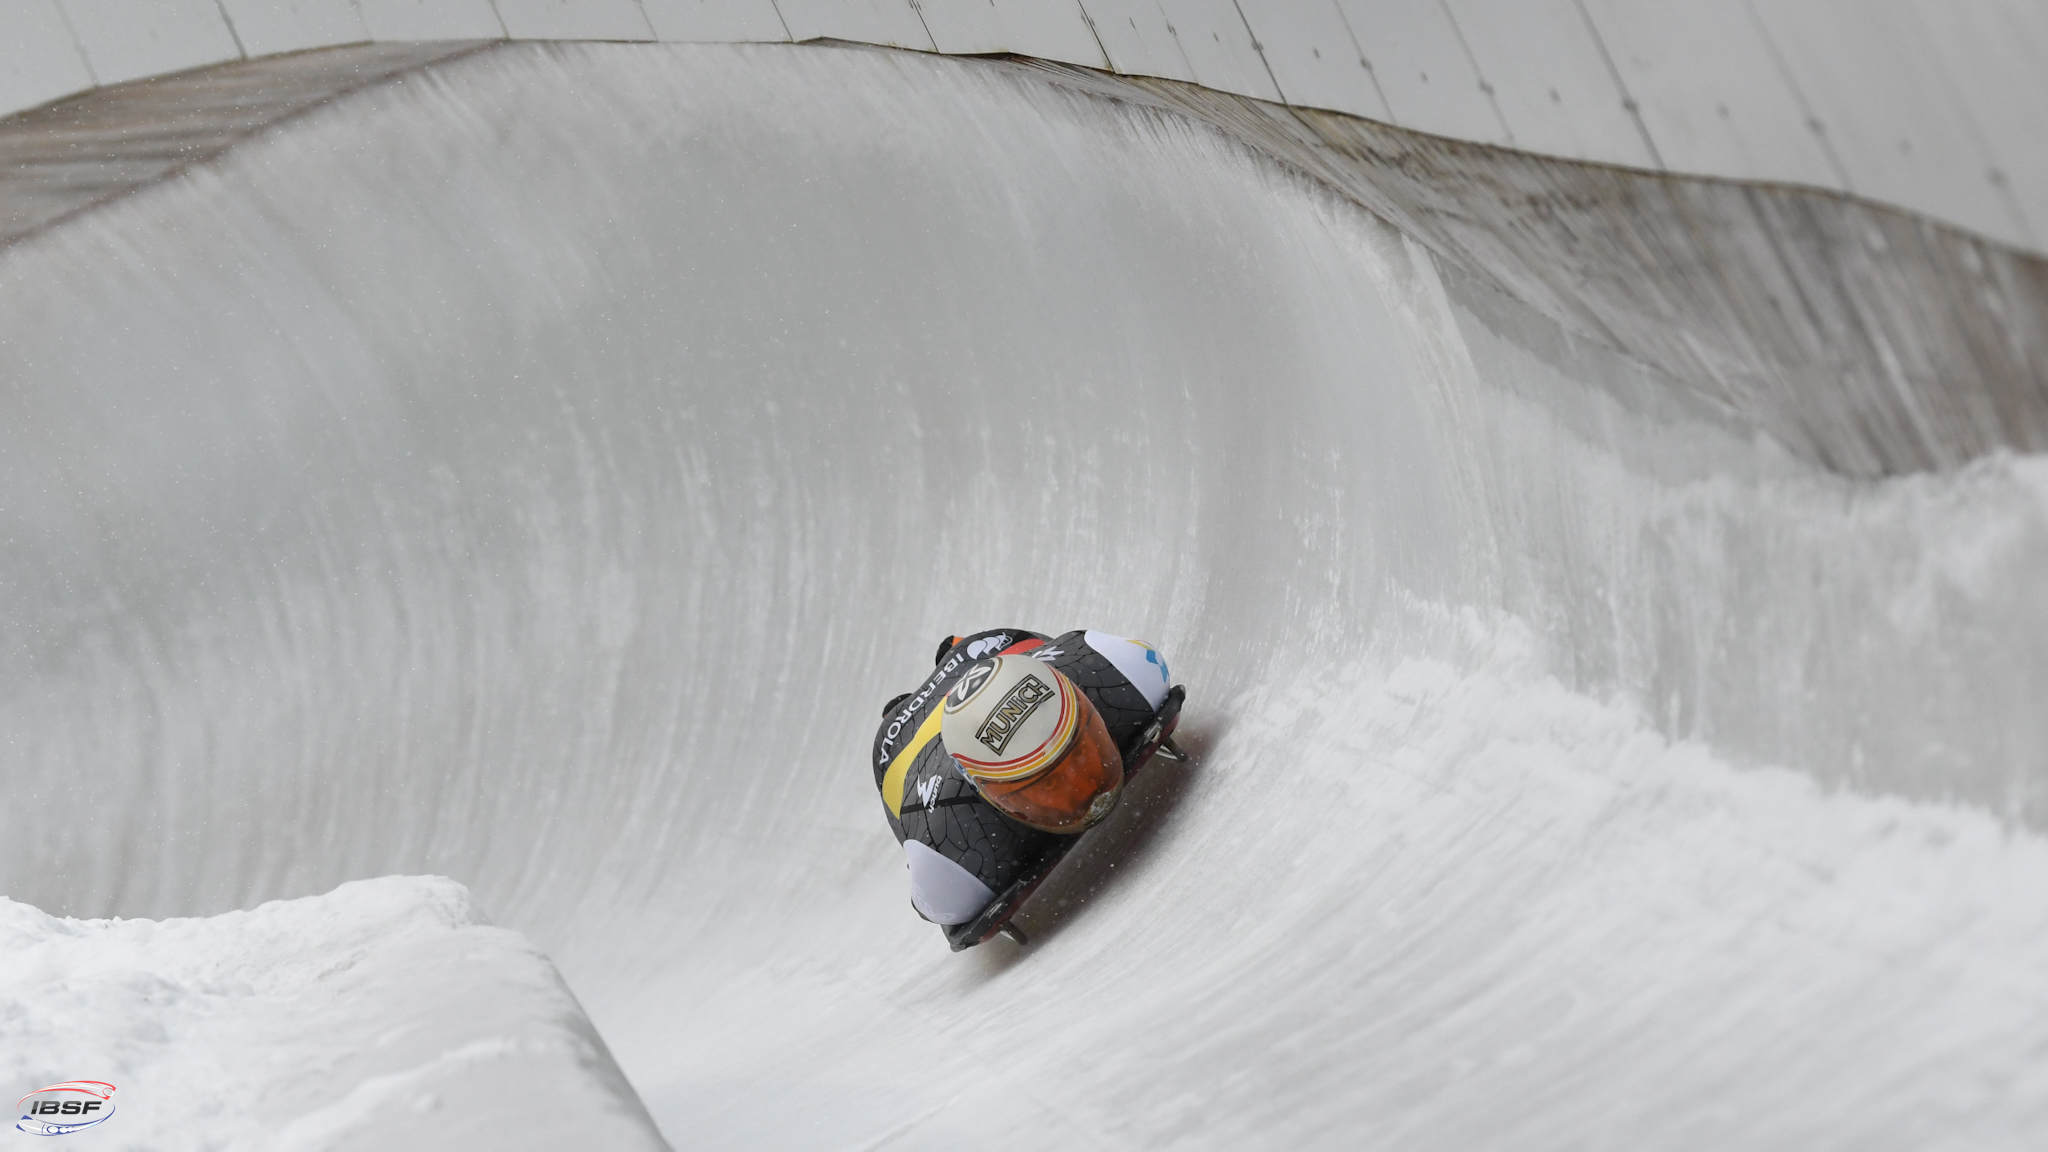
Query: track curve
point(540, 475)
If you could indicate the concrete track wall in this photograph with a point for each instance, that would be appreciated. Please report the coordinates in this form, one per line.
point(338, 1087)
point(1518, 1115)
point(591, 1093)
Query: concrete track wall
point(1932, 105)
point(1863, 338)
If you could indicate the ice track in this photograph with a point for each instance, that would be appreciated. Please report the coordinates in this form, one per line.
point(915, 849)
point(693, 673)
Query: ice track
point(539, 474)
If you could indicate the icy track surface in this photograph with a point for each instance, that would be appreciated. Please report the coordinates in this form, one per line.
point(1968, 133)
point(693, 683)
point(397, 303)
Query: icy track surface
point(539, 475)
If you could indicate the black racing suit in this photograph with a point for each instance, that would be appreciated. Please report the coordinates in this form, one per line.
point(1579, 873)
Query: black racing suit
point(938, 805)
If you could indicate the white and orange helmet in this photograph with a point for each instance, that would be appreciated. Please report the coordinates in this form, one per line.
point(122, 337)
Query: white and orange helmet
point(1032, 744)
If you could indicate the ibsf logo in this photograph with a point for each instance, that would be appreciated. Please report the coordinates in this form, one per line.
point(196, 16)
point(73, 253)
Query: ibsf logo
point(64, 1108)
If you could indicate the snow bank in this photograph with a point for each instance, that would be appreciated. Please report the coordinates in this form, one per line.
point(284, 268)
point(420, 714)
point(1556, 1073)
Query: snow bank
point(385, 1014)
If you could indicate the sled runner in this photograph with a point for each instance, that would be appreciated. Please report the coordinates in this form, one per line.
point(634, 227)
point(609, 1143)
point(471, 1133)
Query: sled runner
point(1156, 739)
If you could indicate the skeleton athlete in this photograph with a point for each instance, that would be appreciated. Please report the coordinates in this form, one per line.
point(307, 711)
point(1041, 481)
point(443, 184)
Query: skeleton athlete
point(1013, 746)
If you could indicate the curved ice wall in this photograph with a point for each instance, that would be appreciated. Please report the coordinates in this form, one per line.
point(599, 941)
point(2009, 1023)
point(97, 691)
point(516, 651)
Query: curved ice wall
point(540, 472)
point(1933, 105)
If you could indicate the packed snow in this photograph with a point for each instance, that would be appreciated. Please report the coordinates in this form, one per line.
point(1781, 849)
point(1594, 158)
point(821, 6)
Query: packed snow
point(386, 1013)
